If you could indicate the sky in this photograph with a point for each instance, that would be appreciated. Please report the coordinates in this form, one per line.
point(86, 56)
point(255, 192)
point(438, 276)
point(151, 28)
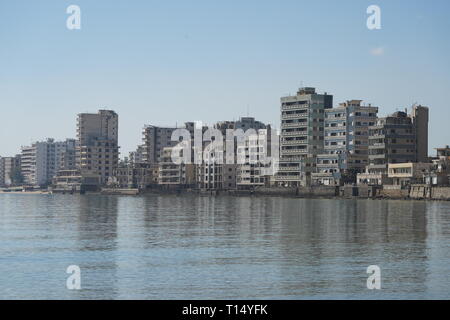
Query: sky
point(168, 62)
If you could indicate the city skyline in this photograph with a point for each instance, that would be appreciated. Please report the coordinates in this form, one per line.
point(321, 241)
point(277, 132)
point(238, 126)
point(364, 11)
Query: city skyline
point(180, 124)
point(147, 67)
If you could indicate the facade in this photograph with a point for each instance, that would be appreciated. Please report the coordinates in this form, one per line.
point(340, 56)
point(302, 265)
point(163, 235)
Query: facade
point(251, 173)
point(97, 150)
point(420, 119)
point(8, 166)
point(345, 143)
point(398, 138)
point(41, 161)
point(302, 135)
point(222, 175)
point(155, 139)
point(391, 140)
point(406, 174)
point(175, 175)
point(71, 181)
point(373, 179)
point(135, 175)
point(440, 175)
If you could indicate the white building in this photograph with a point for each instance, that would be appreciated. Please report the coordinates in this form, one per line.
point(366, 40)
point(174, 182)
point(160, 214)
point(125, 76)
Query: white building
point(41, 161)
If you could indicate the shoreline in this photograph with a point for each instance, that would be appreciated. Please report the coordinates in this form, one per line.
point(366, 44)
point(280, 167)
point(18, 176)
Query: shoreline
point(233, 193)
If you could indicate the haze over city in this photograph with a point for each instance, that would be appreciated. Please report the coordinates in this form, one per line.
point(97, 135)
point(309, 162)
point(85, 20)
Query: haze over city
point(167, 63)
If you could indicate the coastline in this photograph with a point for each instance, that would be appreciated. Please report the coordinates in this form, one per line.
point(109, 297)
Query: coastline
point(337, 193)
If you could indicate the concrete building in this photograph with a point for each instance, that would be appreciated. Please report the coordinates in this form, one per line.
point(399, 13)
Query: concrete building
point(71, 181)
point(391, 140)
point(8, 166)
point(406, 174)
point(173, 175)
point(135, 175)
point(398, 138)
point(155, 139)
point(41, 161)
point(420, 119)
point(302, 135)
point(137, 156)
point(373, 179)
point(97, 150)
point(213, 174)
point(440, 173)
point(252, 173)
point(345, 142)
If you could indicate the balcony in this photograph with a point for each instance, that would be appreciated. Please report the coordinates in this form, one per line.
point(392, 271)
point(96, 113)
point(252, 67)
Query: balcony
point(295, 133)
point(294, 115)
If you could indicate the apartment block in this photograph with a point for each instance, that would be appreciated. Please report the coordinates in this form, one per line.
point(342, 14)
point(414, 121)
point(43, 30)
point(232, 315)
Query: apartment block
point(41, 161)
point(97, 150)
point(252, 173)
point(345, 143)
point(213, 174)
point(440, 174)
point(155, 139)
point(175, 175)
point(8, 167)
point(302, 135)
point(135, 175)
point(391, 140)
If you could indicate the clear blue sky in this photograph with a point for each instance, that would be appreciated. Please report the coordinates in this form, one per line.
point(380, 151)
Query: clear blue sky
point(167, 62)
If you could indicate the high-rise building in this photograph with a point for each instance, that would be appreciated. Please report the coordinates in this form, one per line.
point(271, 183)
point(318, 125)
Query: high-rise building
point(346, 142)
point(41, 161)
point(155, 139)
point(251, 173)
point(175, 175)
point(97, 150)
point(213, 174)
point(391, 140)
point(419, 118)
point(8, 167)
point(302, 135)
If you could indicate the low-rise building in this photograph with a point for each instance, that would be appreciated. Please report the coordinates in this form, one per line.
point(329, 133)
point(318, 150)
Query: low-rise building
point(373, 179)
point(72, 181)
point(406, 174)
point(135, 175)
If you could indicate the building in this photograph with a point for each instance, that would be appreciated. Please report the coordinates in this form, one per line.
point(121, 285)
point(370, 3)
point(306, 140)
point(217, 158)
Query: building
point(406, 174)
point(137, 156)
point(97, 150)
point(155, 139)
point(253, 172)
point(398, 138)
point(391, 140)
point(172, 175)
point(135, 175)
point(440, 174)
point(71, 181)
point(41, 161)
point(420, 118)
point(8, 170)
point(221, 174)
point(345, 143)
point(302, 135)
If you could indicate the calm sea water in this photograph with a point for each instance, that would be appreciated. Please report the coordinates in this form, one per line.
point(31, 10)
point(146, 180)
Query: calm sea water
point(194, 247)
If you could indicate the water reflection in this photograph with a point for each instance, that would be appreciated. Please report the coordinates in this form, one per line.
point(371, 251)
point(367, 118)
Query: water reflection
point(187, 246)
